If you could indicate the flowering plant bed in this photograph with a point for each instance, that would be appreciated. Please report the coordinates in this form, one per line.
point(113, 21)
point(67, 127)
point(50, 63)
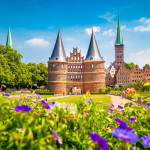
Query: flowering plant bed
point(41, 124)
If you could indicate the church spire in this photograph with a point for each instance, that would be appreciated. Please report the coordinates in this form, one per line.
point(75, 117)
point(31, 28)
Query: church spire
point(58, 54)
point(93, 53)
point(9, 40)
point(119, 39)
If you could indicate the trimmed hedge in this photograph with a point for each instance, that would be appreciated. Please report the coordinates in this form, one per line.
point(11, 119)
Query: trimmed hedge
point(48, 93)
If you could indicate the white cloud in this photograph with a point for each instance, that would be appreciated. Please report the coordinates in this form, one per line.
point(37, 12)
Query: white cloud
point(145, 27)
point(70, 39)
point(124, 27)
point(109, 32)
point(108, 16)
point(109, 44)
point(38, 42)
point(95, 29)
point(141, 58)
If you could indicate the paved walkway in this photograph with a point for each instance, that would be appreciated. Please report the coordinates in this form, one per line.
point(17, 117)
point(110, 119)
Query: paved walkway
point(118, 100)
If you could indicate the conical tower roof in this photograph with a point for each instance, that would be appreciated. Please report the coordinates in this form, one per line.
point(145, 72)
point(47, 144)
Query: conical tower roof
point(119, 39)
point(9, 40)
point(58, 54)
point(93, 53)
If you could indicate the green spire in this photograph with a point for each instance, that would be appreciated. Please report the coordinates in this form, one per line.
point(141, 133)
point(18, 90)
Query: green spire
point(119, 39)
point(9, 40)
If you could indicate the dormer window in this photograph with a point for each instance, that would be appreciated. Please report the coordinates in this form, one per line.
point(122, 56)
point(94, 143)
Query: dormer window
point(91, 58)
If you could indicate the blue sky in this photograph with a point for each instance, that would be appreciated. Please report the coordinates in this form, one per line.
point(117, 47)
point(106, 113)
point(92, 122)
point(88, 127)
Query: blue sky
point(34, 26)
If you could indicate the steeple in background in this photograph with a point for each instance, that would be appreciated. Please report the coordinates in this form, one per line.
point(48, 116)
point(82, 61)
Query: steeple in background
point(9, 40)
point(93, 53)
point(119, 39)
point(58, 54)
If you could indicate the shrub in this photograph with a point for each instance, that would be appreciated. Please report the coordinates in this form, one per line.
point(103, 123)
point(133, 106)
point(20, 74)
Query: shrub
point(107, 89)
point(101, 90)
point(44, 92)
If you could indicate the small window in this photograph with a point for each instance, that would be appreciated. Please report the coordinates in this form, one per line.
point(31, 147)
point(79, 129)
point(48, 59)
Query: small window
point(53, 65)
point(92, 66)
point(62, 65)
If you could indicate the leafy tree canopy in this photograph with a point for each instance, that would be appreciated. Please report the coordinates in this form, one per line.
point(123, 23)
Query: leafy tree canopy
point(129, 65)
point(14, 73)
point(146, 65)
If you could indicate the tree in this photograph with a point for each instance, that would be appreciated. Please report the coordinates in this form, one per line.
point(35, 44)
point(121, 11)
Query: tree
point(146, 65)
point(129, 65)
point(14, 73)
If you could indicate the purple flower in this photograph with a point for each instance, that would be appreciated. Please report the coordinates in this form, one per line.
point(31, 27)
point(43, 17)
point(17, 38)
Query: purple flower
point(147, 105)
point(56, 137)
point(7, 95)
point(112, 105)
point(45, 105)
point(131, 120)
point(30, 96)
point(19, 99)
point(131, 147)
point(91, 99)
point(110, 110)
point(45, 99)
point(120, 107)
point(95, 123)
point(102, 143)
point(146, 141)
point(123, 125)
point(27, 100)
point(37, 93)
point(108, 126)
point(89, 102)
point(85, 100)
point(52, 104)
point(34, 102)
point(126, 135)
point(22, 108)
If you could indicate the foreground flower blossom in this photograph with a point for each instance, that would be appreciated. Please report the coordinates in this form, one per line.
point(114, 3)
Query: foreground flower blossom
point(6, 95)
point(131, 120)
point(146, 141)
point(91, 99)
point(102, 143)
point(56, 137)
point(126, 135)
point(45, 105)
point(110, 110)
point(147, 105)
point(52, 104)
point(120, 107)
point(112, 105)
point(22, 108)
point(123, 125)
point(85, 100)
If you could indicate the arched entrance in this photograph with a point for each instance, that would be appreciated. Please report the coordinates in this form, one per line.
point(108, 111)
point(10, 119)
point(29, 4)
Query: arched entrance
point(76, 90)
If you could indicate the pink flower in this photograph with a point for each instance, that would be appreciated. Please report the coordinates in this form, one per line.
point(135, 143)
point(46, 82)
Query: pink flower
point(85, 113)
point(67, 105)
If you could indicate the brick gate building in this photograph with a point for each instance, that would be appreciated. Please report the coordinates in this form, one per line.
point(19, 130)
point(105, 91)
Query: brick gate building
point(64, 73)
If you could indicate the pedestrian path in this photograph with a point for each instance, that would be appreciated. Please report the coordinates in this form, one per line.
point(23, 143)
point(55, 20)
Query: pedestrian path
point(118, 100)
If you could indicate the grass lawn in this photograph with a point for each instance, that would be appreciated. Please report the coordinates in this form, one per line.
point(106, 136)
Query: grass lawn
point(79, 98)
